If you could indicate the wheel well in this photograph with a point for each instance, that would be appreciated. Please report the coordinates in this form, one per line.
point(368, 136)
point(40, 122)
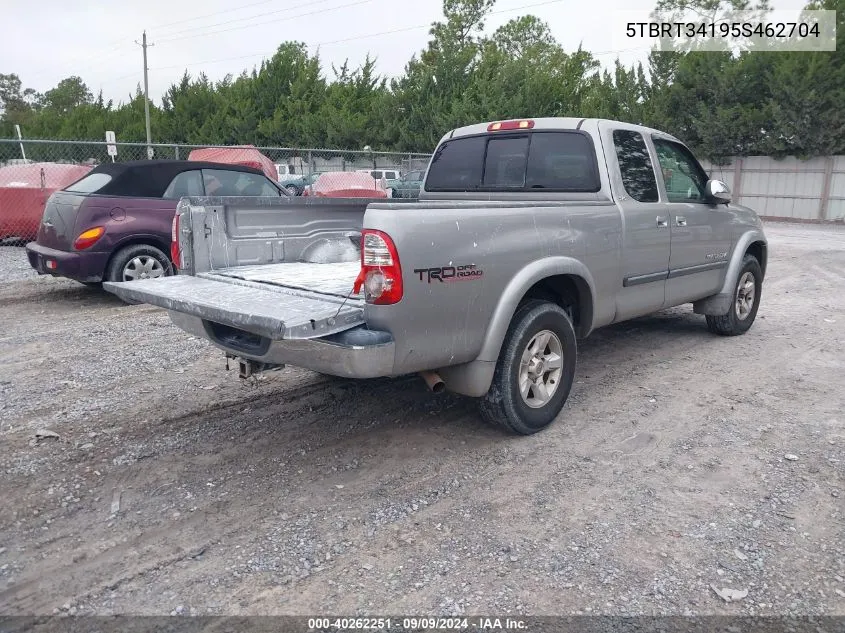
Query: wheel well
point(569, 292)
point(145, 241)
point(759, 250)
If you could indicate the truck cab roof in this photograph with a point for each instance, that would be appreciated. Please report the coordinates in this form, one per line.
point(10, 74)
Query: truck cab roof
point(554, 123)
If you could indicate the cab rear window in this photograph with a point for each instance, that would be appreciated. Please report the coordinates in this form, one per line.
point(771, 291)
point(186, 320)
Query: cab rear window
point(91, 183)
point(550, 161)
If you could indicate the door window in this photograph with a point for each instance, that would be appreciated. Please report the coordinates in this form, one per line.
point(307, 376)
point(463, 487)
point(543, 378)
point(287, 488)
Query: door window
point(685, 179)
point(635, 166)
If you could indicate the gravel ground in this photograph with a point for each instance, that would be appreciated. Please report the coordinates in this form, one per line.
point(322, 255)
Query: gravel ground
point(682, 462)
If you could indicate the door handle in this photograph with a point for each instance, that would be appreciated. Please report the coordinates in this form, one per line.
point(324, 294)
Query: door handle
point(661, 222)
point(680, 220)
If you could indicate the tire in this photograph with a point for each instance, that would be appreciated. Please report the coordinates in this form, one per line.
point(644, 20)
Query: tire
point(138, 261)
point(743, 310)
point(505, 405)
point(292, 190)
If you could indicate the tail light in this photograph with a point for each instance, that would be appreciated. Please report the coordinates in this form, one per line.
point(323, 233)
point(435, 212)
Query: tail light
point(175, 253)
point(381, 274)
point(88, 238)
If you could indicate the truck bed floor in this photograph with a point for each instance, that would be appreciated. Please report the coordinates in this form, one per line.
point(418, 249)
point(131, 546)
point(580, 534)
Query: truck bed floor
point(331, 279)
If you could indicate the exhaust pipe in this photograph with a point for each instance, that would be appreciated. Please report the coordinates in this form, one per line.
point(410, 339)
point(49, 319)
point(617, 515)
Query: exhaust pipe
point(433, 380)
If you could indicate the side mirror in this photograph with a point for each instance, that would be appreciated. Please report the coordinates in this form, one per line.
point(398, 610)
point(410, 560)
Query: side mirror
point(718, 191)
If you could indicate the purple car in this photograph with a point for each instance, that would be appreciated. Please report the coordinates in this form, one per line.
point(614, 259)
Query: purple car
point(114, 224)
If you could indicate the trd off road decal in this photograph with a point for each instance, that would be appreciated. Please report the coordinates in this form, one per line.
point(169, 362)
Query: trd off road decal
point(443, 274)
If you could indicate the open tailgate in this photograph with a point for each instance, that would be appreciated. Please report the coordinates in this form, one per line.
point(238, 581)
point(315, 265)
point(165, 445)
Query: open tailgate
point(267, 309)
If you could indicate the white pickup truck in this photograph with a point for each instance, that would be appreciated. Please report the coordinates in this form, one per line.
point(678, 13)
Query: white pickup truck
point(527, 235)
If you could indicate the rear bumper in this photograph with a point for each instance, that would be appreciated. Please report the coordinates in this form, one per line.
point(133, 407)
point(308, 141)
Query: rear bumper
point(83, 266)
point(355, 353)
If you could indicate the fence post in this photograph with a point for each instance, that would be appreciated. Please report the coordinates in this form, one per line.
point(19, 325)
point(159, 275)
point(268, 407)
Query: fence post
point(176, 152)
point(310, 167)
point(828, 176)
point(737, 184)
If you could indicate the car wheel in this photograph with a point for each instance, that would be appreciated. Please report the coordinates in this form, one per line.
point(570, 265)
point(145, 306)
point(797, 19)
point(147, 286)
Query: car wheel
point(292, 190)
point(746, 300)
point(138, 261)
point(535, 370)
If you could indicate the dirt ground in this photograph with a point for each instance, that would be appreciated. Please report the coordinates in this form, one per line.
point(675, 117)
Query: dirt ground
point(682, 460)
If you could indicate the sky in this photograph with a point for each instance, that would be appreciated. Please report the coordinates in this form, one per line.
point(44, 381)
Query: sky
point(98, 40)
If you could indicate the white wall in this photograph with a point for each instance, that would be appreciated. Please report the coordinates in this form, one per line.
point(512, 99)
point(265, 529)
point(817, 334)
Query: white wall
point(787, 188)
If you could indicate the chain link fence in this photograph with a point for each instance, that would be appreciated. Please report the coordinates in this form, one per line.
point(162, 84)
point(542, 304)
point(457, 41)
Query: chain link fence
point(31, 170)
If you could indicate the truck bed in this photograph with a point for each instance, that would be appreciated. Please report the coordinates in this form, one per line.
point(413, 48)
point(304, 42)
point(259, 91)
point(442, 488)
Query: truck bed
point(276, 301)
point(276, 268)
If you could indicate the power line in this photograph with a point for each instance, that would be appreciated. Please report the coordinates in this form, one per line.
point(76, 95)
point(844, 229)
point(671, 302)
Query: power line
point(282, 19)
point(349, 39)
point(116, 47)
point(208, 15)
point(362, 37)
point(121, 43)
point(177, 35)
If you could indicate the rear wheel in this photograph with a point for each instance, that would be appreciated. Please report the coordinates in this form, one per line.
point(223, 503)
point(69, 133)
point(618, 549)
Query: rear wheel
point(138, 261)
point(292, 190)
point(535, 370)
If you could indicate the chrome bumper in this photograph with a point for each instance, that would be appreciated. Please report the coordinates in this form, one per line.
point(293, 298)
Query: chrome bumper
point(355, 353)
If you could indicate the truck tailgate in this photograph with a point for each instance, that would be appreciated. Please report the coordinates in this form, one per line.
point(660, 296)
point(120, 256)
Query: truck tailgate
point(278, 301)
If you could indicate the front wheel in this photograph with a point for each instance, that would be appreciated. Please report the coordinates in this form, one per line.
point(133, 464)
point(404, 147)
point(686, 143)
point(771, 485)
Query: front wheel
point(746, 299)
point(535, 370)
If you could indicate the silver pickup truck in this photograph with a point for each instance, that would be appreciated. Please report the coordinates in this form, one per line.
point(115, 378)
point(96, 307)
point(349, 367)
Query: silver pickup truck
point(527, 235)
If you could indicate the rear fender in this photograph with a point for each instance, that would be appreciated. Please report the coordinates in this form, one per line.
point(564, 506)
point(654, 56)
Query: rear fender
point(474, 378)
point(515, 291)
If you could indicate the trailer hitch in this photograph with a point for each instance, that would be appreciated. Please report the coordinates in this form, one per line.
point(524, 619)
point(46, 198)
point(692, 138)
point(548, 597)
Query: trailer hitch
point(248, 367)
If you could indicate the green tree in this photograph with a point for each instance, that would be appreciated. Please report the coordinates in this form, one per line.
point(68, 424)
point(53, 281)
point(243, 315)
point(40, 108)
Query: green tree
point(808, 89)
point(17, 105)
point(70, 93)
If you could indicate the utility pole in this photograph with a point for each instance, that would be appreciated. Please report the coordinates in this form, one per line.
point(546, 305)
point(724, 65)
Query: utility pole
point(147, 96)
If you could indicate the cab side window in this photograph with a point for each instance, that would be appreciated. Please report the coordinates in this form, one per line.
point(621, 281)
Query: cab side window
point(188, 183)
point(684, 178)
point(635, 166)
